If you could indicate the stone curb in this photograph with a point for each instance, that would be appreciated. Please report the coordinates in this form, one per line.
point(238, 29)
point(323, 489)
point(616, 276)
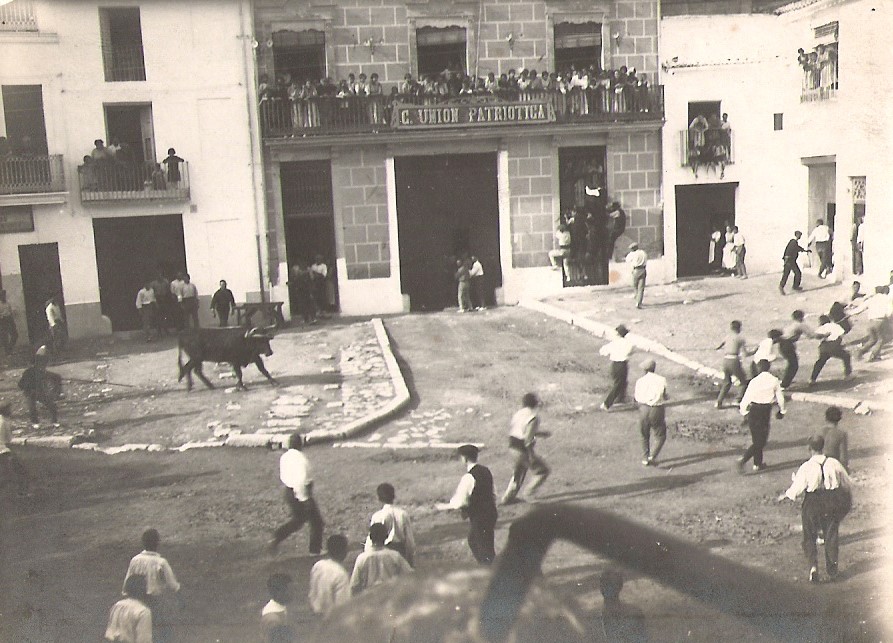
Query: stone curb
point(644, 343)
point(265, 440)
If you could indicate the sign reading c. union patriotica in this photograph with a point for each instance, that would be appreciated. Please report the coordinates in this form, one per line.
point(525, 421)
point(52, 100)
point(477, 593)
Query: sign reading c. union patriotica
point(472, 114)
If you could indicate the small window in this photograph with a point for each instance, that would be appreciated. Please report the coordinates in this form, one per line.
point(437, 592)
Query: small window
point(830, 29)
point(300, 54)
point(26, 133)
point(778, 122)
point(709, 109)
point(578, 45)
point(122, 44)
point(440, 49)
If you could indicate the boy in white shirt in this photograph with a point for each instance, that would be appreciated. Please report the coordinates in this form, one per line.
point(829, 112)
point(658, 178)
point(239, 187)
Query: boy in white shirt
point(831, 346)
point(618, 352)
point(329, 581)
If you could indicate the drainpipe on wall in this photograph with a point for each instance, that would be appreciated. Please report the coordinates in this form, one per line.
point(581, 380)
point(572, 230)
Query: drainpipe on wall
point(253, 127)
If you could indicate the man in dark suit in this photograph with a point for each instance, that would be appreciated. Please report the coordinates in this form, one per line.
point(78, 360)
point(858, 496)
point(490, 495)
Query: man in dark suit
point(475, 499)
point(791, 252)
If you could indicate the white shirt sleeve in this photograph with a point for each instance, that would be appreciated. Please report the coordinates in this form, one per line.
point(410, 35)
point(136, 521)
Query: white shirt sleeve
point(463, 492)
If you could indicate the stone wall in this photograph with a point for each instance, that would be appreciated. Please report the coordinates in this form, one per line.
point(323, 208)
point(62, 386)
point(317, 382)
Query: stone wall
point(360, 198)
point(635, 181)
point(389, 28)
point(530, 170)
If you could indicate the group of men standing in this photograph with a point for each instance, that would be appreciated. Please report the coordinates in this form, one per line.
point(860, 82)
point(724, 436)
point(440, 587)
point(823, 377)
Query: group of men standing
point(164, 304)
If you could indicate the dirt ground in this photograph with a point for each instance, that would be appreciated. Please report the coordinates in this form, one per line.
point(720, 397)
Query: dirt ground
point(65, 549)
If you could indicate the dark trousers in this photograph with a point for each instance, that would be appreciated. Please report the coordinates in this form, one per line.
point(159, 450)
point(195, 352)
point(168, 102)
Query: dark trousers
point(8, 333)
point(222, 316)
point(652, 419)
point(301, 512)
point(827, 350)
point(189, 306)
point(525, 460)
point(49, 405)
point(788, 350)
point(822, 512)
point(823, 249)
point(481, 534)
point(789, 268)
point(731, 367)
point(477, 292)
point(619, 373)
point(758, 422)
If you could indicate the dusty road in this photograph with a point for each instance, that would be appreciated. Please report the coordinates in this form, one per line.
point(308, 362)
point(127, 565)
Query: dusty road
point(65, 550)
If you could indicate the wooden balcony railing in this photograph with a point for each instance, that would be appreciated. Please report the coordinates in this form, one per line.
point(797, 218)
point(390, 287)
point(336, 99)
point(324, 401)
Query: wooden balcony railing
point(109, 180)
point(31, 174)
point(18, 15)
point(327, 115)
point(123, 63)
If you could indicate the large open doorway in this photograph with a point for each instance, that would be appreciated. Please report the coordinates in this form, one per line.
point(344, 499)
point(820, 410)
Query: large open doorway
point(129, 252)
point(822, 203)
point(584, 212)
point(309, 217)
point(700, 210)
point(447, 208)
point(41, 280)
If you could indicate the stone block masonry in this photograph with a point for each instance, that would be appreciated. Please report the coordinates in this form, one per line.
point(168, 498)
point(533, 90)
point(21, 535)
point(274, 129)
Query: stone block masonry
point(360, 196)
point(530, 168)
point(634, 180)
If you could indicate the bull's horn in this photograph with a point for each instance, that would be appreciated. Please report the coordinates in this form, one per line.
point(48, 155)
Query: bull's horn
point(252, 332)
point(269, 330)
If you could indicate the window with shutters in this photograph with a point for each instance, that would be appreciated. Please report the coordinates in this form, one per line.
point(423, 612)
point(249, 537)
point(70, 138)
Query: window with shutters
point(122, 44)
point(578, 45)
point(301, 55)
point(439, 49)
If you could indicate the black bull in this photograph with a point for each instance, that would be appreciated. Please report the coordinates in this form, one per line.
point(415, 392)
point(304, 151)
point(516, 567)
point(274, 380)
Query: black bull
point(232, 345)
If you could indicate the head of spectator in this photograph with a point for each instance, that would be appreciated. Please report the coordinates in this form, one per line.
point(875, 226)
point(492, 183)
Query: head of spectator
point(735, 229)
point(633, 246)
point(378, 533)
point(468, 453)
point(816, 444)
point(530, 400)
point(186, 277)
point(798, 315)
point(279, 588)
point(824, 319)
point(135, 587)
point(763, 366)
point(819, 222)
point(622, 330)
point(296, 441)
point(610, 583)
point(385, 492)
point(775, 335)
point(648, 365)
point(735, 326)
point(87, 159)
point(151, 539)
point(336, 547)
point(833, 414)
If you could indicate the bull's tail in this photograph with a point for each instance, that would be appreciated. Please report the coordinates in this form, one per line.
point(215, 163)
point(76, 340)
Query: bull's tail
point(180, 363)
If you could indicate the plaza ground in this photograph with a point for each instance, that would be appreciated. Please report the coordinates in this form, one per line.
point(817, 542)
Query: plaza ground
point(65, 549)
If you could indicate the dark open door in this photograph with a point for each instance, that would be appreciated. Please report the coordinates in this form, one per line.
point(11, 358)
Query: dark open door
point(130, 251)
point(701, 209)
point(447, 207)
point(41, 279)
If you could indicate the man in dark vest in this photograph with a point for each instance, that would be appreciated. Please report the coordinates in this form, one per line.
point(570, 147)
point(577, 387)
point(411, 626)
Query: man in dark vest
point(475, 499)
point(789, 257)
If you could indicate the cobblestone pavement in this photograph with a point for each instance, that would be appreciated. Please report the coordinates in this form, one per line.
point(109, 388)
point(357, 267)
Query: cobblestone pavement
point(692, 317)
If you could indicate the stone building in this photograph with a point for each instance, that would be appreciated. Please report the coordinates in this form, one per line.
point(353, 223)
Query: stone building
point(392, 189)
point(142, 77)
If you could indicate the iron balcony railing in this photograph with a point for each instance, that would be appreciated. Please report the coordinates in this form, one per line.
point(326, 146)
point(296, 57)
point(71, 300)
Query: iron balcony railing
point(322, 115)
point(122, 63)
point(18, 15)
point(31, 174)
point(708, 147)
point(109, 180)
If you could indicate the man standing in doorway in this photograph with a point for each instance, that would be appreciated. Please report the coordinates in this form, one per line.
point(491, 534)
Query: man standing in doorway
point(476, 272)
point(148, 308)
point(58, 335)
point(474, 498)
point(189, 302)
point(821, 236)
point(638, 260)
point(739, 247)
point(222, 303)
point(791, 252)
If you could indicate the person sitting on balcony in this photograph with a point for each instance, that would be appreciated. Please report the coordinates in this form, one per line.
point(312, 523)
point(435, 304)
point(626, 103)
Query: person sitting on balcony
point(173, 168)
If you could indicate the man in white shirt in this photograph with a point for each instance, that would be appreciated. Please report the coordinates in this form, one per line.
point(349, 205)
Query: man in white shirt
point(294, 472)
point(618, 352)
point(827, 500)
point(765, 350)
point(400, 533)
point(56, 325)
point(821, 237)
point(762, 392)
point(563, 238)
point(378, 565)
point(476, 272)
point(275, 624)
point(148, 308)
point(161, 584)
point(879, 309)
point(650, 394)
point(740, 248)
point(524, 429)
point(475, 499)
point(329, 581)
point(637, 260)
point(831, 346)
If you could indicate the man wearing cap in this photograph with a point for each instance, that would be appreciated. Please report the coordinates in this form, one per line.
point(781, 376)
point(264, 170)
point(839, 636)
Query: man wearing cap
point(294, 471)
point(618, 352)
point(827, 500)
point(637, 259)
point(762, 392)
point(789, 257)
point(650, 394)
point(474, 498)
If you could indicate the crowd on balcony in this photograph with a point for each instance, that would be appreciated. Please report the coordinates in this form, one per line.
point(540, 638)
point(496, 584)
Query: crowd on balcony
point(819, 67)
point(709, 143)
point(573, 91)
point(116, 167)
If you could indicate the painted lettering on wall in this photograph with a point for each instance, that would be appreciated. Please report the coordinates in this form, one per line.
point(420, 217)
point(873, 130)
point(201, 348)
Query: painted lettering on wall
point(416, 116)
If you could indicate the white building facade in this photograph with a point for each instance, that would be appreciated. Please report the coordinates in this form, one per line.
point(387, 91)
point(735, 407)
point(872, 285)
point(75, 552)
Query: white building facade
point(809, 139)
point(149, 76)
